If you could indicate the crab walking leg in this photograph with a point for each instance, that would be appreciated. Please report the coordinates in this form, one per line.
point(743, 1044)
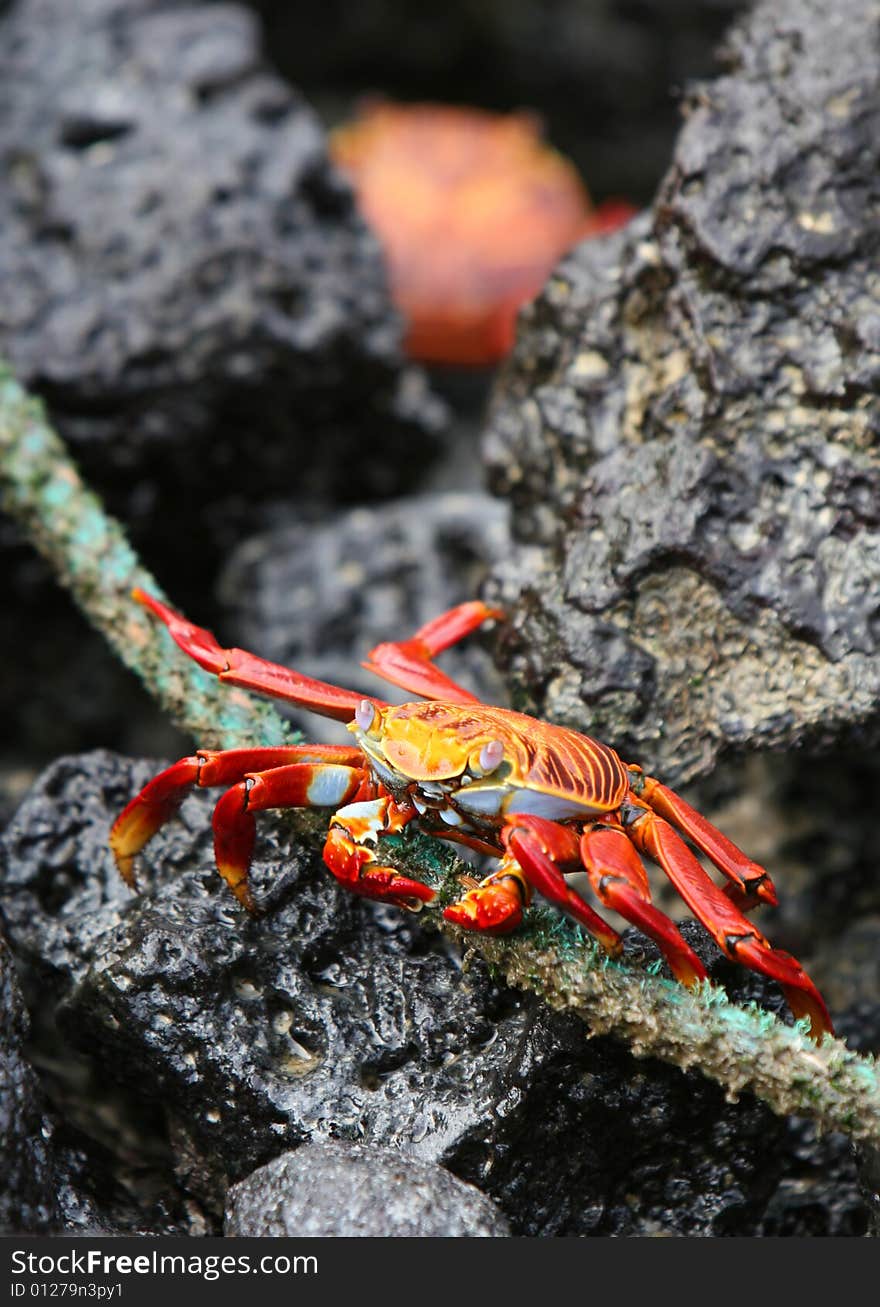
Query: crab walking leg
point(750, 883)
point(355, 865)
point(734, 934)
point(160, 799)
point(618, 877)
point(541, 851)
point(407, 663)
point(299, 785)
point(239, 667)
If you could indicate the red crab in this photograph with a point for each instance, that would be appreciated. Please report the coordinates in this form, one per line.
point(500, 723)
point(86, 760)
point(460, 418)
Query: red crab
point(544, 800)
point(473, 210)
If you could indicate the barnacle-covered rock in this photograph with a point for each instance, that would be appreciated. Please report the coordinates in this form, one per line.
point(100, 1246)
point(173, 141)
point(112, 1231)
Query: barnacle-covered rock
point(688, 427)
point(331, 1017)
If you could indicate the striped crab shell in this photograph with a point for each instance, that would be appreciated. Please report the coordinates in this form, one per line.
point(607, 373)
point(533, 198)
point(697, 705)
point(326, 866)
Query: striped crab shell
point(477, 765)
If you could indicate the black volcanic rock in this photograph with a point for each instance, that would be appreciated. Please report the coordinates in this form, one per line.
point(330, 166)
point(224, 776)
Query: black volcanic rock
point(185, 280)
point(688, 427)
point(27, 1192)
point(183, 276)
point(53, 1178)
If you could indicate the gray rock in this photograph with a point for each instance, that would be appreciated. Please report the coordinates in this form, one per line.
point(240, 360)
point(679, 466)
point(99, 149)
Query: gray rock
point(318, 597)
point(182, 274)
point(327, 1016)
point(330, 1018)
point(688, 428)
point(358, 1190)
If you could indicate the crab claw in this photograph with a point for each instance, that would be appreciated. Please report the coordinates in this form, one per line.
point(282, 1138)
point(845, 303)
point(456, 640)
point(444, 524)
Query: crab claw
point(355, 867)
point(495, 906)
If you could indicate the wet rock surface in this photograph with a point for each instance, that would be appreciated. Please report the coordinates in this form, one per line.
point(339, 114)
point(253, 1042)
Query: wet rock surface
point(55, 1178)
point(688, 427)
point(357, 1190)
point(330, 1018)
point(326, 1017)
point(27, 1198)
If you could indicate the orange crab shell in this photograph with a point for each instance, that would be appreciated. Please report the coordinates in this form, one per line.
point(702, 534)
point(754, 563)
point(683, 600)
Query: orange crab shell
point(473, 211)
point(435, 741)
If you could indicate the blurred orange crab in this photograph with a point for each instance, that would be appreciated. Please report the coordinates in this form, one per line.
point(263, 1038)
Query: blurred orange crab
point(473, 211)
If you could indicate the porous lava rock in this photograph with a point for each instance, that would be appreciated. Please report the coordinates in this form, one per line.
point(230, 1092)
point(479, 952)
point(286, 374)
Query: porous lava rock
point(55, 1179)
point(185, 280)
point(183, 275)
point(688, 428)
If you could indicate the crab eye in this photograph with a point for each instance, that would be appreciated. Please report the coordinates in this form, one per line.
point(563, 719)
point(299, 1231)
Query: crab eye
point(365, 714)
point(491, 755)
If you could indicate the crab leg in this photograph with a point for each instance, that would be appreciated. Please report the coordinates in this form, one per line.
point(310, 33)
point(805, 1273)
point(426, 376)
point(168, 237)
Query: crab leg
point(734, 934)
point(408, 663)
point(355, 865)
point(159, 800)
point(618, 877)
point(537, 850)
point(299, 785)
point(750, 883)
point(239, 667)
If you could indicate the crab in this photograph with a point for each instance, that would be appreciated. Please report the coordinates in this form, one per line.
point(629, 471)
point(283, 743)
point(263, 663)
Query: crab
point(473, 210)
point(544, 800)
